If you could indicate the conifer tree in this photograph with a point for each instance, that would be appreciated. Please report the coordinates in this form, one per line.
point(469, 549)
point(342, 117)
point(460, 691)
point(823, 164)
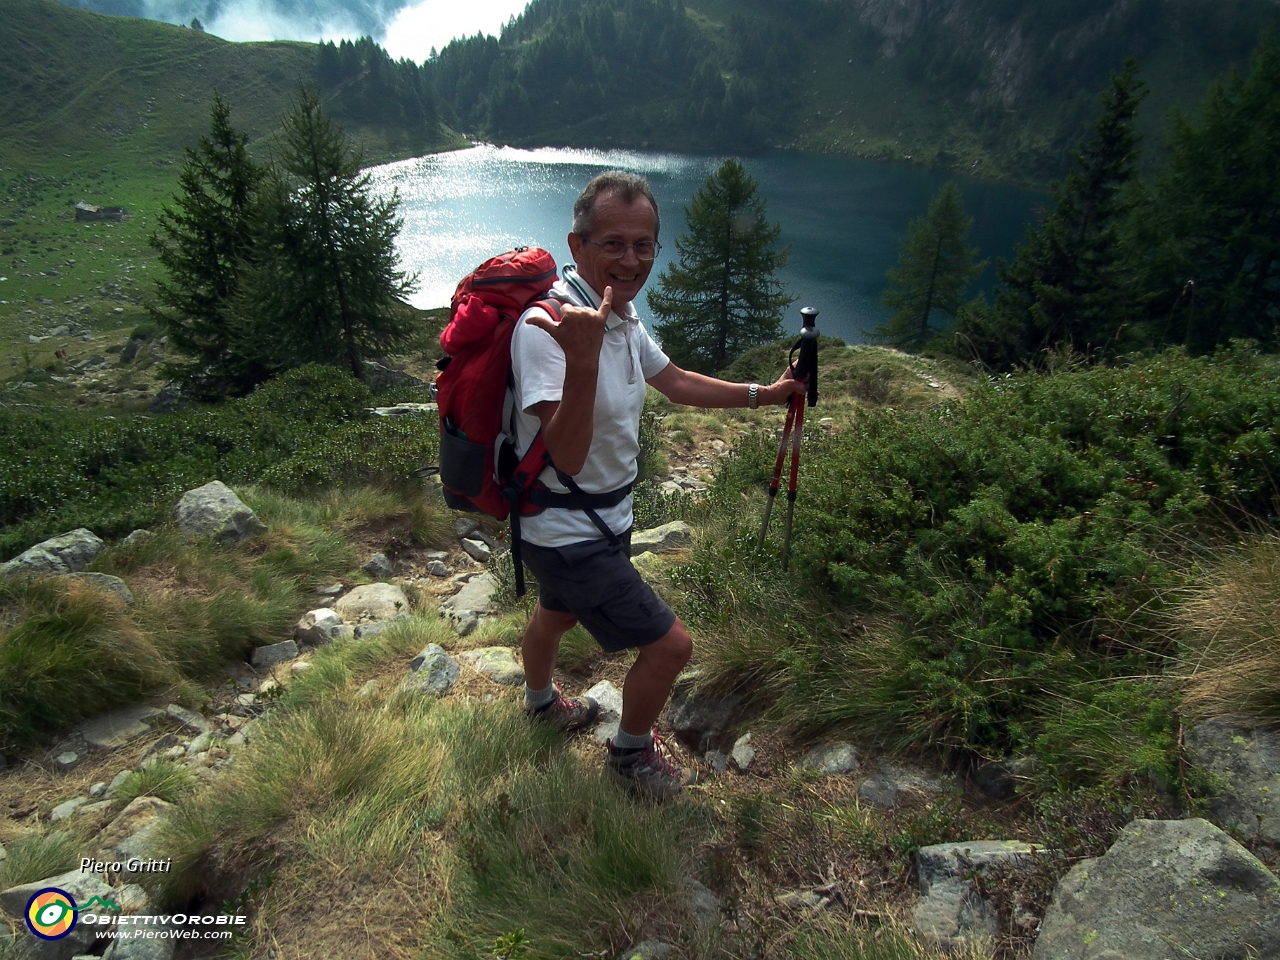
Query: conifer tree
point(722, 297)
point(934, 269)
point(202, 240)
point(326, 285)
point(1071, 282)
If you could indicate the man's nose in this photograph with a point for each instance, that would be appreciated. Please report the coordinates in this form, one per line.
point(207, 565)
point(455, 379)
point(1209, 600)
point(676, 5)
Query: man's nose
point(629, 256)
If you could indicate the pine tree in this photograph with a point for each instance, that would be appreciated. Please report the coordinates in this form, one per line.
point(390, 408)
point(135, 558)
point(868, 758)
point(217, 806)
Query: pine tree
point(202, 240)
point(325, 284)
point(934, 269)
point(1071, 283)
point(723, 297)
point(1216, 210)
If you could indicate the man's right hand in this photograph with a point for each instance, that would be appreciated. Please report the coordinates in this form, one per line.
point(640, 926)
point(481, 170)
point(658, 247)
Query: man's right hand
point(580, 330)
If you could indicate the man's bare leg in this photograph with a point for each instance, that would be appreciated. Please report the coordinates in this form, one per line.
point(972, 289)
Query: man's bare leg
point(541, 643)
point(651, 677)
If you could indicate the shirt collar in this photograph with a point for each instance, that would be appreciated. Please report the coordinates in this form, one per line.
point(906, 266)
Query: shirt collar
point(626, 313)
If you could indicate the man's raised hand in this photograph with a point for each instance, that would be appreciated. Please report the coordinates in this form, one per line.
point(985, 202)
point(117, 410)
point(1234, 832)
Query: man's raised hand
point(580, 330)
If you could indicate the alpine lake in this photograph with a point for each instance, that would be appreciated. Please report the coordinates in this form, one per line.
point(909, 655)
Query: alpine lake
point(843, 217)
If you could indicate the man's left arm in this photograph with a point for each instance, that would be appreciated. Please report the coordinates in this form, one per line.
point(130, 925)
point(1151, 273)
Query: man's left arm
point(698, 390)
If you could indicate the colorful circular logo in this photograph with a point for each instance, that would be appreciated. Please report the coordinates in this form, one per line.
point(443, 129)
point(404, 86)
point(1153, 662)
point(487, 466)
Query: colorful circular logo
point(51, 913)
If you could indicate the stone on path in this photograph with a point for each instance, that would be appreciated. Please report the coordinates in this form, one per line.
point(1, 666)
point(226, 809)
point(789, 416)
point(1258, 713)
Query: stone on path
point(1247, 760)
point(432, 671)
point(951, 912)
point(496, 663)
point(372, 601)
point(66, 761)
point(830, 760)
point(465, 526)
point(379, 567)
point(215, 511)
point(107, 584)
point(703, 904)
point(437, 568)
point(115, 729)
point(1166, 889)
point(318, 627)
point(699, 720)
point(477, 550)
point(188, 718)
point(67, 808)
point(609, 699)
point(669, 536)
point(476, 594)
point(65, 553)
point(743, 752)
point(130, 833)
point(885, 788)
point(273, 653)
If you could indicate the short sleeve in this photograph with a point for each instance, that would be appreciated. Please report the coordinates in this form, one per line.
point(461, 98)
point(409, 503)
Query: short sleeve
point(537, 363)
point(652, 360)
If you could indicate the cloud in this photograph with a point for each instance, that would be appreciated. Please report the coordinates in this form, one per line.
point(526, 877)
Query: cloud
point(414, 30)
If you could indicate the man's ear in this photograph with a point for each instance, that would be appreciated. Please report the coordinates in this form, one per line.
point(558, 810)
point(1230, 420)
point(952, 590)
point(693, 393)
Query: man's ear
point(575, 246)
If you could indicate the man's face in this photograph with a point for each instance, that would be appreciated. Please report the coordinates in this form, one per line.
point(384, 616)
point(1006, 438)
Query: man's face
point(615, 220)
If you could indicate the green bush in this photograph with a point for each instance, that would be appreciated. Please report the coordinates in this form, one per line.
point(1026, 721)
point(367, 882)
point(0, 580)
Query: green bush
point(1016, 541)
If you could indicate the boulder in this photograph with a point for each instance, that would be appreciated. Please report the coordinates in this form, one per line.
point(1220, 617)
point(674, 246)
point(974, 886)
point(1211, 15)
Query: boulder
point(379, 567)
point(66, 761)
point(115, 729)
point(951, 912)
point(651, 567)
point(368, 631)
point(317, 627)
point(215, 511)
point(465, 527)
point(892, 784)
point(131, 832)
point(699, 720)
point(743, 753)
point(465, 622)
point(473, 601)
point(188, 718)
point(609, 698)
point(703, 904)
point(168, 399)
point(830, 760)
point(65, 553)
point(82, 887)
point(136, 538)
point(372, 601)
point(437, 568)
point(380, 377)
point(669, 536)
point(1166, 889)
point(476, 549)
point(107, 584)
point(1247, 760)
point(273, 653)
point(432, 671)
point(496, 663)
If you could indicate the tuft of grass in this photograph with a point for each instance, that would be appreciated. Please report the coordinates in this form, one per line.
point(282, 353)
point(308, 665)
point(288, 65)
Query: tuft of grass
point(36, 856)
point(1230, 629)
point(825, 938)
point(169, 781)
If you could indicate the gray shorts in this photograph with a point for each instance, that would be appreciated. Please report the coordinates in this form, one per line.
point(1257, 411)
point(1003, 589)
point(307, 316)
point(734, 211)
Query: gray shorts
point(596, 582)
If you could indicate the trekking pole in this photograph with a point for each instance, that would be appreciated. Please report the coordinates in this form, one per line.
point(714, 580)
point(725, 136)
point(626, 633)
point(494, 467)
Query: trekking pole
point(804, 367)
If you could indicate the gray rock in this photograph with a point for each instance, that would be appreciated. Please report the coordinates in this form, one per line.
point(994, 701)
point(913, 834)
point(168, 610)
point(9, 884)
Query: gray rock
point(137, 537)
point(437, 569)
point(98, 790)
point(743, 752)
point(379, 567)
point(166, 742)
point(703, 904)
point(651, 567)
point(368, 631)
point(465, 527)
point(437, 554)
point(215, 511)
point(719, 762)
point(168, 399)
point(274, 653)
point(301, 667)
point(1247, 759)
point(1166, 889)
point(885, 788)
point(65, 553)
point(188, 718)
point(332, 590)
point(107, 584)
point(803, 901)
point(699, 720)
point(477, 550)
point(67, 808)
point(130, 834)
point(496, 663)
point(404, 410)
point(830, 760)
point(202, 743)
point(649, 950)
point(465, 622)
point(82, 887)
point(68, 760)
point(951, 912)
point(609, 698)
point(605, 730)
point(92, 808)
point(317, 627)
point(669, 536)
point(117, 782)
point(115, 729)
point(380, 377)
point(141, 948)
point(476, 595)
point(372, 601)
point(432, 671)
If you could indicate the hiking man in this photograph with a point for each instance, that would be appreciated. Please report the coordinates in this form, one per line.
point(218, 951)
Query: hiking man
point(581, 381)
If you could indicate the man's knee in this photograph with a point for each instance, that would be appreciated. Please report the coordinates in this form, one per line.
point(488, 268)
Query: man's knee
point(553, 621)
point(672, 650)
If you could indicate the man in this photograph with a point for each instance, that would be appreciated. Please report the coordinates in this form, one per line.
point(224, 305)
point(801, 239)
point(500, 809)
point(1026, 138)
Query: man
point(581, 381)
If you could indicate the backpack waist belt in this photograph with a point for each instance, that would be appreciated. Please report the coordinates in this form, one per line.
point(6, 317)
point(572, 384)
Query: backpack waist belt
point(542, 497)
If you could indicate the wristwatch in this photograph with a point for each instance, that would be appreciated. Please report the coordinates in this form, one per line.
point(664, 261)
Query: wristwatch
point(753, 396)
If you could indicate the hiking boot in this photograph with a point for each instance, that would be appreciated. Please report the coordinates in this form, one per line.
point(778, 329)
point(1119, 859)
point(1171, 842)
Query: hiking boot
point(649, 772)
point(566, 713)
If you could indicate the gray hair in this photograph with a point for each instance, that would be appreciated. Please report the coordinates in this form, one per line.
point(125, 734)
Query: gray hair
point(627, 187)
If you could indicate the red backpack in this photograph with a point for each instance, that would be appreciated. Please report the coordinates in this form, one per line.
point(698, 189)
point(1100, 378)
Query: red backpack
point(478, 464)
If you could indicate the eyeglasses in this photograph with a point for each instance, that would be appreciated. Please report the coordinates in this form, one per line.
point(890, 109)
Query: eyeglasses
point(616, 249)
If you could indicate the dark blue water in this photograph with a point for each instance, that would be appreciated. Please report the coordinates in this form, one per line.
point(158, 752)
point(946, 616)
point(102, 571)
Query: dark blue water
point(843, 217)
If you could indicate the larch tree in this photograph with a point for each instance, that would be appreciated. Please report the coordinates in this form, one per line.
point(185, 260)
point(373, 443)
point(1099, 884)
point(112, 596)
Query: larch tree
point(723, 296)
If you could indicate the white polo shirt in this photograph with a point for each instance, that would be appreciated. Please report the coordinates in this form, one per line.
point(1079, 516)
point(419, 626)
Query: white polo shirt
point(628, 357)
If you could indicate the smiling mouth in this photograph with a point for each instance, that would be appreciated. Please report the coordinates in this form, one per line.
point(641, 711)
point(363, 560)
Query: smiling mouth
point(621, 279)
